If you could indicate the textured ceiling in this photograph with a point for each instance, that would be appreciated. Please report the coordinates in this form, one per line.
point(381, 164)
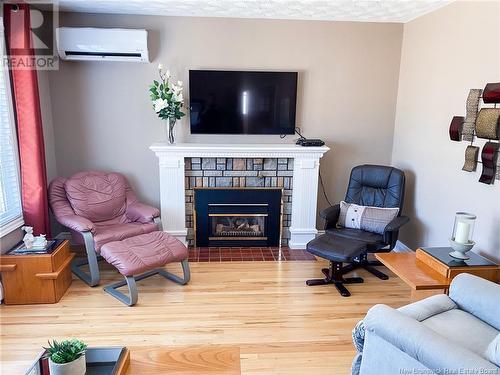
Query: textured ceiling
point(334, 10)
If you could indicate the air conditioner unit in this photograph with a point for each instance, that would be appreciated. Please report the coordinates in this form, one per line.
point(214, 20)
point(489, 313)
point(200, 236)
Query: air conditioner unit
point(92, 44)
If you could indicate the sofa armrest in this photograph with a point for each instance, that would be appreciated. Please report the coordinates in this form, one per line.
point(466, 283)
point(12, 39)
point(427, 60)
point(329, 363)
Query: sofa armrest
point(421, 343)
point(478, 297)
point(331, 215)
point(391, 230)
point(419, 311)
point(142, 213)
point(77, 223)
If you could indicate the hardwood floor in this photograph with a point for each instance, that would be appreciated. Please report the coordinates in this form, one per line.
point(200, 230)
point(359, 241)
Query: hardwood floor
point(280, 325)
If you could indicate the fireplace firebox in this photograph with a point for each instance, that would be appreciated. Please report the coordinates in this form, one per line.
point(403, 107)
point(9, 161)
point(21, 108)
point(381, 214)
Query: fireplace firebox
point(233, 217)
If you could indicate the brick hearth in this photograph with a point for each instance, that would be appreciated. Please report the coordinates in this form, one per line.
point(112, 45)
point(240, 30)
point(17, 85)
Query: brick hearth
point(247, 254)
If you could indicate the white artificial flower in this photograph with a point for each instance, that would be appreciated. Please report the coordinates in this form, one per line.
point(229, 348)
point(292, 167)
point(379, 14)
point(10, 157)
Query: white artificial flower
point(167, 74)
point(177, 88)
point(177, 97)
point(179, 83)
point(160, 104)
point(160, 66)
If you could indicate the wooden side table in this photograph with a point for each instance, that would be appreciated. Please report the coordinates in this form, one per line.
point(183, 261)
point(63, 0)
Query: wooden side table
point(37, 278)
point(439, 260)
point(432, 276)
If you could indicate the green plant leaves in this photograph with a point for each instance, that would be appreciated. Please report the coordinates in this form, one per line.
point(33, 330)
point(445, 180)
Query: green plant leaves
point(65, 351)
point(165, 90)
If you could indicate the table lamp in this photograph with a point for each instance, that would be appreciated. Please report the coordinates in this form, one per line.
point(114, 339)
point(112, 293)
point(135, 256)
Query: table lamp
point(461, 238)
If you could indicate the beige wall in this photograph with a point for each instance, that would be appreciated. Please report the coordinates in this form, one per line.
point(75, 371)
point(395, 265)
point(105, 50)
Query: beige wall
point(445, 54)
point(347, 90)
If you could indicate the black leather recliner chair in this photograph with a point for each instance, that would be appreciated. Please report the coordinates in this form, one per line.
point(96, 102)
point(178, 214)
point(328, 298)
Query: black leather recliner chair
point(371, 185)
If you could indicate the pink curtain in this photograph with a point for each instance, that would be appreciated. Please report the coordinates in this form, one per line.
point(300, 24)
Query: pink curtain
point(29, 120)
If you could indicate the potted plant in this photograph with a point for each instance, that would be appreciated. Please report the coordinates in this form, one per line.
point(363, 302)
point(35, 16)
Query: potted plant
point(167, 100)
point(66, 357)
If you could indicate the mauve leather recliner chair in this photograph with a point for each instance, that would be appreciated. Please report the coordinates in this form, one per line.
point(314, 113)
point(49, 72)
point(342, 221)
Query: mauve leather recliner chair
point(98, 208)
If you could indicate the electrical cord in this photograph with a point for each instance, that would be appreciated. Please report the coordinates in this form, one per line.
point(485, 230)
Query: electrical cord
point(323, 187)
point(296, 130)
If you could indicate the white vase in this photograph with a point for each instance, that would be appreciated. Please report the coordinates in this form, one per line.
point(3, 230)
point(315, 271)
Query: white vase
point(170, 126)
point(77, 367)
point(460, 249)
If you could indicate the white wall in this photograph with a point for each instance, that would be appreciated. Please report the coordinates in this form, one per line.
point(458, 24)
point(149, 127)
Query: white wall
point(347, 90)
point(444, 54)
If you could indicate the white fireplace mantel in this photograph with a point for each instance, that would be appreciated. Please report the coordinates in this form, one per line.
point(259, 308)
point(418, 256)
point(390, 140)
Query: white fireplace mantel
point(305, 181)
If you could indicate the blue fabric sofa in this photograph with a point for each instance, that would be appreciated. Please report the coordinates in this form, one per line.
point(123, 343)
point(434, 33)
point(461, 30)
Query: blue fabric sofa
point(455, 334)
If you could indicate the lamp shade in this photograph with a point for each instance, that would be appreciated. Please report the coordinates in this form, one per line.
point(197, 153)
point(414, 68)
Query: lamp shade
point(463, 228)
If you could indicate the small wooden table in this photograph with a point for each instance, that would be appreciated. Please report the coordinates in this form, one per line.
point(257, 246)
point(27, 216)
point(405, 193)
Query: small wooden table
point(426, 275)
point(37, 278)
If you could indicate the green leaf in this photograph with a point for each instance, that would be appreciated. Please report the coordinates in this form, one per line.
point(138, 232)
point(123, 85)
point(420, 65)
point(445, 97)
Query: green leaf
point(66, 351)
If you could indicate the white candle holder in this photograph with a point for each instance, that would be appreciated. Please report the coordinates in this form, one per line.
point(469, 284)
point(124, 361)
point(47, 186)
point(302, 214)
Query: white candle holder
point(461, 238)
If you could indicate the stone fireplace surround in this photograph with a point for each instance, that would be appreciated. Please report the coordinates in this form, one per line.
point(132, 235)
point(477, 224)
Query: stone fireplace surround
point(184, 166)
point(239, 173)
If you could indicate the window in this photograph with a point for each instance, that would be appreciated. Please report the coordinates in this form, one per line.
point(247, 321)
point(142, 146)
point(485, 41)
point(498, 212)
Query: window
point(10, 196)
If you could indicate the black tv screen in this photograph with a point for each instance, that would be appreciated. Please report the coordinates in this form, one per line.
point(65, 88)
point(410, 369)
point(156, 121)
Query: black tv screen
point(241, 102)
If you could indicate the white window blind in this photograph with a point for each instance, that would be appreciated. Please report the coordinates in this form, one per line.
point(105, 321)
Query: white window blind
point(10, 196)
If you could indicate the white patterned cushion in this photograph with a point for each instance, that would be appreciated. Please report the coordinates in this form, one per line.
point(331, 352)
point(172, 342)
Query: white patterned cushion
point(370, 219)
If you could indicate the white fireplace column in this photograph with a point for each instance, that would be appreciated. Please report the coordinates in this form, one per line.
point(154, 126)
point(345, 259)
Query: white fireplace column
point(304, 192)
point(172, 195)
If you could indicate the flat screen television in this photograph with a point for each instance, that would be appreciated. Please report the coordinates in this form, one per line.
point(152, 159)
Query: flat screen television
point(242, 102)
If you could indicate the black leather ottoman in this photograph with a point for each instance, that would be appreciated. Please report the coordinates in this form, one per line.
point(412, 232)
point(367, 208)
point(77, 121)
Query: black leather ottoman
point(337, 250)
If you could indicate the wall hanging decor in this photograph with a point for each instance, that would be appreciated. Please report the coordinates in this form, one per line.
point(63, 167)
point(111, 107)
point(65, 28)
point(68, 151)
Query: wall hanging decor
point(456, 128)
point(491, 93)
point(480, 123)
point(471, 108)
point(490, 151)
point(487, 123)
point(471, 154)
